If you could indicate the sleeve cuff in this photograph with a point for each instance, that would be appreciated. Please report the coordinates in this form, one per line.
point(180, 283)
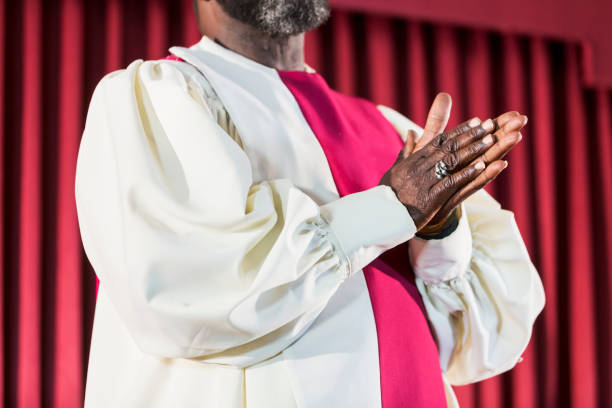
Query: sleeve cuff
point(437, 260)
point(368, 223)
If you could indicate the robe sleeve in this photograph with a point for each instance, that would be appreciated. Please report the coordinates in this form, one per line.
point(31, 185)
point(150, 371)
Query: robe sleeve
point(480, 289)
point(198, 261)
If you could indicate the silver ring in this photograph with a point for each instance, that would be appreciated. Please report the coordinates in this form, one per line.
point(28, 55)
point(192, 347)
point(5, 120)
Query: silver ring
point(440, 169)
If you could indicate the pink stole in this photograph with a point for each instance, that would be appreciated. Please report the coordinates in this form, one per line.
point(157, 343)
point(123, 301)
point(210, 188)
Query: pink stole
point(360, 145)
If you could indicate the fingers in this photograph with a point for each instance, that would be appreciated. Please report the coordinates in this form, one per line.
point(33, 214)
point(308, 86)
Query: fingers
point(469, 131)
point(437, 118)
point(408, 148)
point(474, 133)
point(458, 151)
point(453, 182)
point(501, 148)
point(489, 174)
point(448, 140)
point(505, 117)
point(471, 142)
point(460, 158)
point(440, 138)
point(465, 137)
point(507, 137)
point(514, 123)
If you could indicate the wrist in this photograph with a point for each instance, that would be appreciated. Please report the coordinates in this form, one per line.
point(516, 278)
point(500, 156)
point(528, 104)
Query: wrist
point(442, 228)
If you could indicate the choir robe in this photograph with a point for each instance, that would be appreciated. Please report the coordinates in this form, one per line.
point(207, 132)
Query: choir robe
point(243, 264)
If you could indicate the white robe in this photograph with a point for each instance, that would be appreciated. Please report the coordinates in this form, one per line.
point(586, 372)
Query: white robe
point(230, 271)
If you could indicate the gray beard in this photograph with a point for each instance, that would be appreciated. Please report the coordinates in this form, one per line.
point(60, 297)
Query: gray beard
point(278, 18)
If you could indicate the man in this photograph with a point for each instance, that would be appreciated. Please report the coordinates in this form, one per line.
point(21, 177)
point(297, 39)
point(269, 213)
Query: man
point(254, 232)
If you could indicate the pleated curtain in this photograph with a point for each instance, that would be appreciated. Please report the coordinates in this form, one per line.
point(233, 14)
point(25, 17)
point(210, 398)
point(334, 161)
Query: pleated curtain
point(559, 182)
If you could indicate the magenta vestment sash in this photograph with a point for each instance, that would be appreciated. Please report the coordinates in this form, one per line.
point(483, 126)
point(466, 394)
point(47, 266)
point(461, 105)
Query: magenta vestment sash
point(360, 145)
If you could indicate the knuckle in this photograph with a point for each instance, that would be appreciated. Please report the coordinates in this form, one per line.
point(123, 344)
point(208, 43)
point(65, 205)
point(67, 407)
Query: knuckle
point(450, 146)
point(448, 182)
point(476, 148)
point(476, 132)
point(464, 175)
point(451, 160)
point(496, 125)
point(439, 140)
point(457, 131)
point(464, 129)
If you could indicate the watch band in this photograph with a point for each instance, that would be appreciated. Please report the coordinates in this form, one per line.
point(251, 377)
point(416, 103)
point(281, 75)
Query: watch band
point(442, 229)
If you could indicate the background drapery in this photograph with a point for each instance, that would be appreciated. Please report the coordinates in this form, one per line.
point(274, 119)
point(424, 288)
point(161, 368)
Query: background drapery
point(559, 182)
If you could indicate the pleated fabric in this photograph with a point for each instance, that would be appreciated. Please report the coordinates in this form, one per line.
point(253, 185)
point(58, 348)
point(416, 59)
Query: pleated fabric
point(559, 182)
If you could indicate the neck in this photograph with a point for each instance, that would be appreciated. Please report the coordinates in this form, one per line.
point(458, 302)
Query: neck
point(285, 53)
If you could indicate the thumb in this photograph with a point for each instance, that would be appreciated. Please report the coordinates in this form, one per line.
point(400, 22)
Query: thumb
point(437, 118)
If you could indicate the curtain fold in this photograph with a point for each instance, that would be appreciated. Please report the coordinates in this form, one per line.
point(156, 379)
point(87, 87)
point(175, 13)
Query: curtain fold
point(28, 256)
point(559, 182)
point(544, 215)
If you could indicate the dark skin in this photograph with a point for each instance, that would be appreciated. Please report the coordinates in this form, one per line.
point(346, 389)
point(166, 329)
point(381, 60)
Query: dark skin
point(472, 151)
point(283, 53)
point(506, 135)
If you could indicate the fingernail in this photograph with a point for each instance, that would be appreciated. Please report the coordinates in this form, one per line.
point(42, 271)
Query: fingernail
point(480, 165)
point(488, 125)
point(488, 139)
point(474, 122)
point(526, 119)
point(505, 164)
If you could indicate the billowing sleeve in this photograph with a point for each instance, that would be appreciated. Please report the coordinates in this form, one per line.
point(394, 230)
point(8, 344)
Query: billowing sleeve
point(480, 289)
point(198, 261)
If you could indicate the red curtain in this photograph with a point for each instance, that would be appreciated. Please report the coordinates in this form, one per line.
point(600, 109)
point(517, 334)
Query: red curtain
point(559, 182)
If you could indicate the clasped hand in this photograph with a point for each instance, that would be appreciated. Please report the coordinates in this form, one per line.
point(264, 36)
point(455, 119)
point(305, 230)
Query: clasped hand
point(434, 174)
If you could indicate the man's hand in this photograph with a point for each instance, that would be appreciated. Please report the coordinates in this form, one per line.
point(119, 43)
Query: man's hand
point(413, 175)
point(506, 136)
